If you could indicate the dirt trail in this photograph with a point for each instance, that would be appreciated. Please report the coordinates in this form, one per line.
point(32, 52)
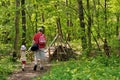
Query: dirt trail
point(29, 73)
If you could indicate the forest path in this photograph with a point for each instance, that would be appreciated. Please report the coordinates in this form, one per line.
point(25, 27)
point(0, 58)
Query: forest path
point(29, 73)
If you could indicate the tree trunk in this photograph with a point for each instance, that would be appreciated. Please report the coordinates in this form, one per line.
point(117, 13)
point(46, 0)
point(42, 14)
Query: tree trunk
point(96, 10)
point(106, 48)
point(89, 27)
point(42, 17)
point(82, 24)
point(117, 27)
point(119, 44)
point(23, 22)
point(59, 27)
point(97, 17)
point(43, 20)
point(16, 30)
point(69, 21)
point(36, 19)
point(105, 12)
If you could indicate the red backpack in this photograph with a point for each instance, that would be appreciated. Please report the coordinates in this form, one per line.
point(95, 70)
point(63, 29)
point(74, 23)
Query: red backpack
point(42, 39)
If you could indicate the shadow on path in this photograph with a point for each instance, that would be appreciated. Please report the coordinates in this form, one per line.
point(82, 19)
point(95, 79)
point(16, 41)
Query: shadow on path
point(29, 73)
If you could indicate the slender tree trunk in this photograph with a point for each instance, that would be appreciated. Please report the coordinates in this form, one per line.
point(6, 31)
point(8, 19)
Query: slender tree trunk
point(69, 20)
point(118, 44)
point(43, 20)
point(23, 22)
point(36, 18)
point(106, 47)
point(97, 17)
point(67, 14)
point(118, 33)
point(105, 12)
point(82, 24)
point(59, 27)
point(89, 27)
point(96, 10)
point(16, 30)
point(117, 27)
point(42, 17)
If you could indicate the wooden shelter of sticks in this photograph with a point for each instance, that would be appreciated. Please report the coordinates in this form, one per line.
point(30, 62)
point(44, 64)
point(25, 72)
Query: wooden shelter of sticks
point(63, 50)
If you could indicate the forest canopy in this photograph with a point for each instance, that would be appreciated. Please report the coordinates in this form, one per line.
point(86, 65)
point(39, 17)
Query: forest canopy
point(87, 23)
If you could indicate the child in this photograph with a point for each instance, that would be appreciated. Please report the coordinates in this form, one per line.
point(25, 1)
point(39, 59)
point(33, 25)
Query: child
point(23, 56)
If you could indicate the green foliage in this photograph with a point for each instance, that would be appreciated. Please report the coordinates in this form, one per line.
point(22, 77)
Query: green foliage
point(99, 68)
point(58, 8)
point(5, 49)
point(6, 67)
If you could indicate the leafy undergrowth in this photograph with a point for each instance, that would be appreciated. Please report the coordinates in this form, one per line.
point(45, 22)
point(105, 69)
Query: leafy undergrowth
point(6, 67)
point(99, 68)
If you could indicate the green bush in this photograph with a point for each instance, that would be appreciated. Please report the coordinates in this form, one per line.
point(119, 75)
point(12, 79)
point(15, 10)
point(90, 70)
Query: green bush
point(6, 67)
point(99, 68)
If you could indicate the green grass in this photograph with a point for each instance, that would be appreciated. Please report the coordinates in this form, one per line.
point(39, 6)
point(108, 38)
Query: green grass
point(6, 67)
point(99, 68)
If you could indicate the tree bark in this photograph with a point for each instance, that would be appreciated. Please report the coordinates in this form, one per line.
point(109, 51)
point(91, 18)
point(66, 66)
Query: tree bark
point(82, 24)
point(23, 22)
point(36, 19)
point(16, 30)
point(97, 17)
point(117, 27)
point(105, 12)
point(42, 17)
point(89, 27)
point(69, 21)
point(59, 27)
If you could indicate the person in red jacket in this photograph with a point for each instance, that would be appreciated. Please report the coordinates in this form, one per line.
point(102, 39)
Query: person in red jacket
point(39, 55)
